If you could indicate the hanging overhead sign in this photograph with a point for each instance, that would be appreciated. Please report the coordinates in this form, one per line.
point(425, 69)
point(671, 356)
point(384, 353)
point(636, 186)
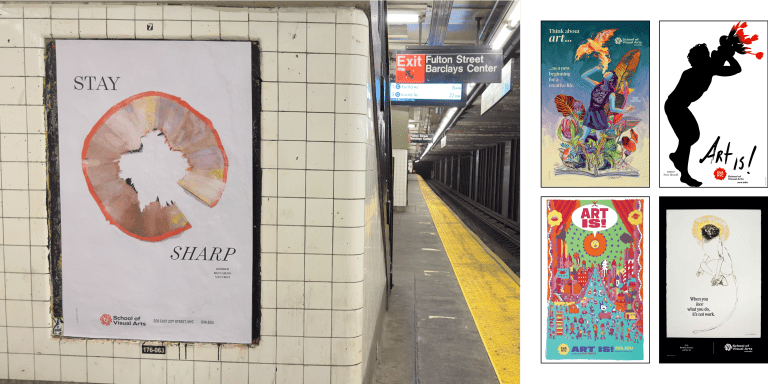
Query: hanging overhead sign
point(420, 138)
point(449, 95)
point(494, 92)
point(448, 67)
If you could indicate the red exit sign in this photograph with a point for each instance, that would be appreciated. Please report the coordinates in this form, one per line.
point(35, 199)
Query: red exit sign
point(410, 68)
point(448, 66)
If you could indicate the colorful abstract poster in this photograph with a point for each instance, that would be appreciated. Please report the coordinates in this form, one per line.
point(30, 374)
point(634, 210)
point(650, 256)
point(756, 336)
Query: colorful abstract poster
point(713, 92)
point(595, 280)
point(595, 104)
point(155, 160)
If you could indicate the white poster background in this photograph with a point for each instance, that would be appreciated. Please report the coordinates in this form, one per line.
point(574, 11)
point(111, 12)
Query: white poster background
point(733, 108)
point(106, 271)
point(684, 253)
point(647, 304)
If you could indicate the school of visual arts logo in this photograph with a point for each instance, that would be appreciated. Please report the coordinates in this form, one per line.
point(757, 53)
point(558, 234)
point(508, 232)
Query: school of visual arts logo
point(728, 347)
point(617, 40)
point(563, 349)
point(720, 174)
point(118, 320)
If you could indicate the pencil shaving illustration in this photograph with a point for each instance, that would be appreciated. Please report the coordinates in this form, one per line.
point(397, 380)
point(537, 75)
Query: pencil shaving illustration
point(120, 131)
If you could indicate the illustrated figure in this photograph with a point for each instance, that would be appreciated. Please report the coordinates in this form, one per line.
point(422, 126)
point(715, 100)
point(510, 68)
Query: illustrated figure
point(692, 85)
point(604, 116)
point(717, 262)
point(603, 93)
point(717, 265)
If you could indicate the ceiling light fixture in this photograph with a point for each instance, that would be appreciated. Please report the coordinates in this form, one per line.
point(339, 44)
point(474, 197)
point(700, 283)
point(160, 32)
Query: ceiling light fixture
point(402, 18)
point(443, 125)
point(470, 87)
point(511, 24)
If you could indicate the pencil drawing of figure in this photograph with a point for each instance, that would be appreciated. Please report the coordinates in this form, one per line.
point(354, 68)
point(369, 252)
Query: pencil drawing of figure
point(717, 264)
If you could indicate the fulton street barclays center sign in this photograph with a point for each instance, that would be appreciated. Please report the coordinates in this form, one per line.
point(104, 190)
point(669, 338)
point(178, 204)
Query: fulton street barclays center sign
point(448, 66)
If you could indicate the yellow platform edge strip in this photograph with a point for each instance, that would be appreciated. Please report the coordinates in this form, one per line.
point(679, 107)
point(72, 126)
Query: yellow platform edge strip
point(504, 266)
point(491, 291)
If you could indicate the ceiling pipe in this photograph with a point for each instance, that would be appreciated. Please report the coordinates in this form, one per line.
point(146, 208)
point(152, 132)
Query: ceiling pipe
point(421, 23)
point(488, 20)
point(479, 32)
point(441, 16)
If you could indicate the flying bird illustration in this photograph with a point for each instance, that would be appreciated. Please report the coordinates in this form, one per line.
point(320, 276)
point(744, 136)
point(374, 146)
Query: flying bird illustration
point(597, 47)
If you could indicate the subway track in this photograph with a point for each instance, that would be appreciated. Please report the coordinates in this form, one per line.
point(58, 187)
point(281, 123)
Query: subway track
point(503, 233)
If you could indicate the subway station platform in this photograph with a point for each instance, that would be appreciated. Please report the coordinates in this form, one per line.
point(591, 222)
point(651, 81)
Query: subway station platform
point(454, 310)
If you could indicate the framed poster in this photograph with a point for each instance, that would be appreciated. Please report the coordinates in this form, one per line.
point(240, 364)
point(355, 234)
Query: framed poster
point(153, 177)
point(595, 274)
point(595, 112)
point(713, 89)
point(712, 277)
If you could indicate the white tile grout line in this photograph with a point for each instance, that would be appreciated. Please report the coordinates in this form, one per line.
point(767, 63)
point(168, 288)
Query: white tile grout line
point(333, 216)
point(306, 161)
point(7, 355)
point(277, 173)
point(29, 223)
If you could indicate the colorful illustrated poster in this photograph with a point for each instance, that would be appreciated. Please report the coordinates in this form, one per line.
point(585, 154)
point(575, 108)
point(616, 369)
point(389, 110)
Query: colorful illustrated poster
point(595, 104)
point(713, 92)
point(595, 293)
point(155, 154)
point(713, 273)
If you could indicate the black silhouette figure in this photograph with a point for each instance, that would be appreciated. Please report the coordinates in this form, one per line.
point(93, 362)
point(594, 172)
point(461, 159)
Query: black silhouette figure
point(692, 85)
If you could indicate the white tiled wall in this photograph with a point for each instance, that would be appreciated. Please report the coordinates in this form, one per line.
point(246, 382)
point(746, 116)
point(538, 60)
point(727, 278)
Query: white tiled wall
point(373, 259)
point(322, 257)
point(400, 178)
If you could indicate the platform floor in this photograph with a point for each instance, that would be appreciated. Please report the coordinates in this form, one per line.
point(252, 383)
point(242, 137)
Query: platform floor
point(454, 310)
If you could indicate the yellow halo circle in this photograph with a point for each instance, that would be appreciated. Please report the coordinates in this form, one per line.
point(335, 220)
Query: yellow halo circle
point(710, 219)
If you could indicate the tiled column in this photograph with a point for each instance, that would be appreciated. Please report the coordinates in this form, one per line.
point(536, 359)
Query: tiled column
point(322, 258)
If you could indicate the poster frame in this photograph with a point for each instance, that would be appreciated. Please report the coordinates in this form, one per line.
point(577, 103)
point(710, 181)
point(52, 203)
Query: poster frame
point(699, 348)
point(53, 182)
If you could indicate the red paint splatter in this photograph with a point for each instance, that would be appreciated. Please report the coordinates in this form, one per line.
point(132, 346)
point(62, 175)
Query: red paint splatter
point(746, 39)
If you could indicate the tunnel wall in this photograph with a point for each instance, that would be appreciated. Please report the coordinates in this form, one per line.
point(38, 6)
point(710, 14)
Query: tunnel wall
point(322, 279)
